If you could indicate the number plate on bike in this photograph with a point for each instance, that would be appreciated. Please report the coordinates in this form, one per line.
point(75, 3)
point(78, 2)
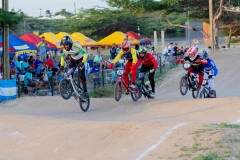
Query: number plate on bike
point(186, 65)
point(120, 72)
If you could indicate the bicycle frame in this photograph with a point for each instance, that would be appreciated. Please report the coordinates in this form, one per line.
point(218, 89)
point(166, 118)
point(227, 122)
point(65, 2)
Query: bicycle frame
point(70, 77)
point(120, 79)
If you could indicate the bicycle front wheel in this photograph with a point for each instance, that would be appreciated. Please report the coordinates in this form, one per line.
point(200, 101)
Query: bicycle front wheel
point(195, 92)
point(183, 85)
point(66, 89)
point(135, 93)
point(118, 91)
point(203, 94)
point(84, 103)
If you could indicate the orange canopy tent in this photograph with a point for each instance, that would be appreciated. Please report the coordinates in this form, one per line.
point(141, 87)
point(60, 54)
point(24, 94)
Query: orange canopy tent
point(51, 37)
point(84, 40)
point(60, 35)
point(117, 38)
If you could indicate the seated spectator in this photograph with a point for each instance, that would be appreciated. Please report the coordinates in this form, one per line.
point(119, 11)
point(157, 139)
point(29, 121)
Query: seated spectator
point(25, 63)
point(37, 62)
point(28, 79)
point(31, 62)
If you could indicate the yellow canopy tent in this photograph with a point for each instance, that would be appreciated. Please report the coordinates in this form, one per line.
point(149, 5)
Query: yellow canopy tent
point(117, 38)
point(84, 41)
point(62, 34)
point(51, 37)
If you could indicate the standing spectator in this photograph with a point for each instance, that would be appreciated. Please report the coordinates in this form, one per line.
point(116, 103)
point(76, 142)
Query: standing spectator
point(103, 64)
point(31, 62)
point(87, 68)
point(96, 77)
point(113, 51)
point(98, 58)
point(42, 49)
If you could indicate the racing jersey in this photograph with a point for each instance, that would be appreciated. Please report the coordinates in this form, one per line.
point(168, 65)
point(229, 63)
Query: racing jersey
point(131, 55)
point(211, 66)
point(194, 65)
point(149, 60)
point(77, 52)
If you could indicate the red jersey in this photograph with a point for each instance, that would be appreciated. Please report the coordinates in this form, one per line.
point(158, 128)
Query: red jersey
point(149, 60)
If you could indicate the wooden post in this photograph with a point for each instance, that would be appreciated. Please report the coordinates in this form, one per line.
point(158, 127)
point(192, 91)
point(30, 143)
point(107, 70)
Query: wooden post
point(6, 65)
point(211, 23)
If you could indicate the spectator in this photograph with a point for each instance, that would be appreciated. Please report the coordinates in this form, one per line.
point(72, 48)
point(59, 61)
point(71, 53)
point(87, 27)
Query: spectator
point(37, 62)
point(103, 64)
point(42, 49)
point(96, 76)
point(31, 62)
point(28, 80)
point(12, 68)
point(175, 48)
point(18, 64)
point(87, 68)
point(25, 63)
point(113, 51)
point(50, 62)
point(153, 50)
point(170, 49)
point(98, 58)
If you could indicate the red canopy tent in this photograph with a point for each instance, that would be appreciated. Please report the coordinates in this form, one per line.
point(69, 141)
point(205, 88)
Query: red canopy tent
point(34, 39)
point(11, 50)
point(143, 40)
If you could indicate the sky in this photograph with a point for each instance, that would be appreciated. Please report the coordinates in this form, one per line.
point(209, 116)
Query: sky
point(32, 7)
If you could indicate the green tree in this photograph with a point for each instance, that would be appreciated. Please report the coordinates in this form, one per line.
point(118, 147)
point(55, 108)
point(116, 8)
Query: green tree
point(195, 9)
point(10, 18)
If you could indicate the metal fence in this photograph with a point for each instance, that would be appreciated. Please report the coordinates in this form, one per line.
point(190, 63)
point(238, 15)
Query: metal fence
point(106, 78)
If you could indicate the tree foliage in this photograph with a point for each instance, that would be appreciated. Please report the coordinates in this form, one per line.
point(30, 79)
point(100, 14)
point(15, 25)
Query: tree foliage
point(10, 18)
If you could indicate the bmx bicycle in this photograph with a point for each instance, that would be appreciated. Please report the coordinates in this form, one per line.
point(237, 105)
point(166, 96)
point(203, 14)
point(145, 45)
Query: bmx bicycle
point(206, 92)
point(144, 87)
point(120, 84)
point(70, 86)
point(189, 82)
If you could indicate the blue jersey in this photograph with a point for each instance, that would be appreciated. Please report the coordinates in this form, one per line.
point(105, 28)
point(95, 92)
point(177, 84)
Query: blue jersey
point(211, 65)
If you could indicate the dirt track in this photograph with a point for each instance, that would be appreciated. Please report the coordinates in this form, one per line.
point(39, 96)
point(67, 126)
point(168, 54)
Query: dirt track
point(52, 128)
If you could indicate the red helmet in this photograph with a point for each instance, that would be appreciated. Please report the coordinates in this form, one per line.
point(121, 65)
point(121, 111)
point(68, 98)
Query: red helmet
point(192, 51)
point(125, 46)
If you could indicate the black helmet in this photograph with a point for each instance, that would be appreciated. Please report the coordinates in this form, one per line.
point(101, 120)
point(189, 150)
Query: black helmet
point(66, 40)
point(142, 51)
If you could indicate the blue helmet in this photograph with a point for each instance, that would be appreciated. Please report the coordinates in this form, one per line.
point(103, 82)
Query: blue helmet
point(205, 55)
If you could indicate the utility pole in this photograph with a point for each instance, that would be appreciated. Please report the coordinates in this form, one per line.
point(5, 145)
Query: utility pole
point(6, 65)
point(40, 12)
point(75, 10)
point(211, 23)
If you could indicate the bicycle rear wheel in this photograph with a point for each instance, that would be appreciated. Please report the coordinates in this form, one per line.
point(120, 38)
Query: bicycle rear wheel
point(135, 93)
point(84, 103)
point(118, 91)
point(184, 85)
point(65, 89)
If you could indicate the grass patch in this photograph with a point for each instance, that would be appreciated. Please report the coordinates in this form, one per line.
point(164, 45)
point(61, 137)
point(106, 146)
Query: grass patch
point(228, 125)
point(210, 156)
point(106, 91)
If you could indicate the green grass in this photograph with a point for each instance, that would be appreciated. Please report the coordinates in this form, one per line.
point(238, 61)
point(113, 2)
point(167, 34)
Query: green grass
point(228, 125)
point(210, 156)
